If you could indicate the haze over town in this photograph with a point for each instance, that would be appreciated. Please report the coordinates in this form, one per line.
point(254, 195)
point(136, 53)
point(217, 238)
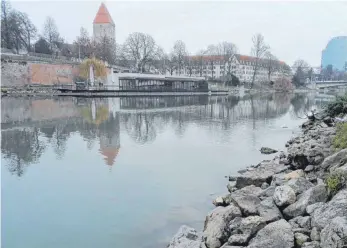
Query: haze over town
point(292, 29)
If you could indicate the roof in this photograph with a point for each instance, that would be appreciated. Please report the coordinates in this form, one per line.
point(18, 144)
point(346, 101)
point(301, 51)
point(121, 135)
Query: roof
point(103, 16)
point(110, 154)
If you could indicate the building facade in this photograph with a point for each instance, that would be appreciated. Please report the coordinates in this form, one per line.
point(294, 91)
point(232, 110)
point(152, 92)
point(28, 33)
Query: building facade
point(242, 66)
point(103, 25)
point(335, 54)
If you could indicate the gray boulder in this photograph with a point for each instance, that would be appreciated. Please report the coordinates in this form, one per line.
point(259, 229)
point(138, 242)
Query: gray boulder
point(310, 196)
point(216, 231)
point(313, 244)
point(284, 196)
point(242, 229)
point(267, 150)
point(263, 173)
point(310, 208)
point(267, 192)
point(186, 237)
point(299, 185)
point(274, 235)
point(300, 239)
point(309, 168)
point(315, 235)
point(322, 216)
point(301, 222)
point(334, 235)
point(269, 211)
point(248, 203)
point(334, 160)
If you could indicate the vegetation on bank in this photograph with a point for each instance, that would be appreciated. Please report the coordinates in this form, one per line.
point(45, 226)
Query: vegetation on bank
point(337, 107)
point(340, 140)
point(99, 68)
point(336, 181)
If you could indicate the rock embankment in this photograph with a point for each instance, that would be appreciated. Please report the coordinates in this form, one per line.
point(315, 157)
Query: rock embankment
point(282, 203)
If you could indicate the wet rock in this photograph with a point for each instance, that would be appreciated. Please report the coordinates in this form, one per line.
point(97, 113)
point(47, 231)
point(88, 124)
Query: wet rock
point(284, 196)
point(216, 231)
point(315, 235)
point(300, 239)
point(310, 196)
point(267, 150)
point(334, 235)
point(313, 244)
point(334, 160)
point(301, 222)
point(299, 185)
point(274, 235)
point(186, 237)
point(323, 215)
point(248, 203)
point(259, 175)
point(269, 211)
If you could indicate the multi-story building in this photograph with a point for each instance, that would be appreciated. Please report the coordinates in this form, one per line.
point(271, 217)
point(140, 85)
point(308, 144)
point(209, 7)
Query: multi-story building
point(242, 66)
point(103, 25)
point(335, 54)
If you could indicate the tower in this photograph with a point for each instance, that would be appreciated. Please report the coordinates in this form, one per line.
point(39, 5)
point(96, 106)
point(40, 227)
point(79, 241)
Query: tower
point(103, 25)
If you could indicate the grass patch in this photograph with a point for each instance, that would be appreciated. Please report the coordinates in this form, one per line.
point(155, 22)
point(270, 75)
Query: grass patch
point(336, 181)
point(340, 140)
point(337, 107)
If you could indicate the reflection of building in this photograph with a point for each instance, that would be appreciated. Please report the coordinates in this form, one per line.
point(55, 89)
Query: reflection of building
point(335, 53)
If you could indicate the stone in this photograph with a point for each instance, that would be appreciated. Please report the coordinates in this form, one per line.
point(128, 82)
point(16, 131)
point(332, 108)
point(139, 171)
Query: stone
point(267, 150)
point(186, 237)
point(216, 231)
point(299, 185)
point(302, 230)
point(278, 179)
point(219, 201)
point(314, 206)
point(294, 174)
point(263, 173)
point(334, 160)
point(274, 235)
point(251, 190)
point(248, 203)
point(300, 239)
point(269, 211)
point(245, 226)
point(301, 222)
point(315, 194)
point(232, 246)
point(313, 244)
point(268, 192)
point(264, 186)
point(323, 215)
point(315, 235)
point(231, 186)
point(334, 235)
point(284, 196)
point(309, 168)
point(238, 239)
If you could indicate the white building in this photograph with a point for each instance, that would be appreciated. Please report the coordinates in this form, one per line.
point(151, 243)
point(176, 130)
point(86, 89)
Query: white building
point(242, 66)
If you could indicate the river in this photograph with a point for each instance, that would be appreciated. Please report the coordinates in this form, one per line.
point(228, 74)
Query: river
point(127, 172)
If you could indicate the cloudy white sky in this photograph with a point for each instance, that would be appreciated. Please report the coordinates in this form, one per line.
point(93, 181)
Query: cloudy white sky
point(293, 29)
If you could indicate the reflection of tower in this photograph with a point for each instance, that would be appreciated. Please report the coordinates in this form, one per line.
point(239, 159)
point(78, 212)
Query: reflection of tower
point(110, 139)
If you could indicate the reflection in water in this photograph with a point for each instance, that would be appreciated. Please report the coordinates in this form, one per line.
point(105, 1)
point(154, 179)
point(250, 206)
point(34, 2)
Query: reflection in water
point(99, 119)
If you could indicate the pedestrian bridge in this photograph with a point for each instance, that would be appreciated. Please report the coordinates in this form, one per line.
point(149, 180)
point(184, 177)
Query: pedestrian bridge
point(330, 84)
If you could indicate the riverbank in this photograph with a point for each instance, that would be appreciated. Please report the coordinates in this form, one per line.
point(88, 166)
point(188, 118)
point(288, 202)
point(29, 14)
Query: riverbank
point(297, 199)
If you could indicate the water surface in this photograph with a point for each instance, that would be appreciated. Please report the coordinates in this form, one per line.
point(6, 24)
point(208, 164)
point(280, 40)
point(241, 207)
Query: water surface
point(127, 172)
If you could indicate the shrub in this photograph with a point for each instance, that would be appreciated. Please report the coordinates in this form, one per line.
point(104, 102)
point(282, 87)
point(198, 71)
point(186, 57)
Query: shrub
point(336, 181)
point(340, 140)
point(283, 84)
point(337, 107)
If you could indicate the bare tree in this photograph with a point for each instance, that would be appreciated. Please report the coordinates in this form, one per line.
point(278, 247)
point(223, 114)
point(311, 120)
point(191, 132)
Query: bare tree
point(272, 64)
point(301, 68)
point(213, 57)
point(170, 63)
point(180, 52)
point(105, 49)
point(5, 30)
point(227, 51)
point(259, 50)
point(83, 45)
point(200, 57)
point(141, 49)
point(50, 33)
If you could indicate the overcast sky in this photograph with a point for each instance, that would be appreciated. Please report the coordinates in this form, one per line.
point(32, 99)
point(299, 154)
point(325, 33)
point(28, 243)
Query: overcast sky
point(292, 29)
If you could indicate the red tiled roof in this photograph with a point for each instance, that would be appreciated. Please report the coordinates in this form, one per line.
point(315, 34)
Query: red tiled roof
point(109, 154)
point(103, 16)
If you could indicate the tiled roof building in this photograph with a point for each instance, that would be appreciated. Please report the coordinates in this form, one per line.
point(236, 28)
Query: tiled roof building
point(103, 25)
